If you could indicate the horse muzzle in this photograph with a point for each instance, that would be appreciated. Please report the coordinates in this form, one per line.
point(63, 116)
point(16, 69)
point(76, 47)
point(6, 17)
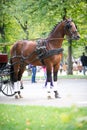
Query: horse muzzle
point(76, 37)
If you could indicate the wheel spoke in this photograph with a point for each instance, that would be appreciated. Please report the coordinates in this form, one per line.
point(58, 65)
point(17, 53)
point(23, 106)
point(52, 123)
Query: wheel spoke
point(7, 87)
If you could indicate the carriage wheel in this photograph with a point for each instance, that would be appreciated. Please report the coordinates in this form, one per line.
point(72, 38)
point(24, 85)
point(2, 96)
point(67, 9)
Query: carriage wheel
point(7, 86)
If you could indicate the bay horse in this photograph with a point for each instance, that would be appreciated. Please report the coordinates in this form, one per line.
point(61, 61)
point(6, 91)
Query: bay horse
point(26, 52)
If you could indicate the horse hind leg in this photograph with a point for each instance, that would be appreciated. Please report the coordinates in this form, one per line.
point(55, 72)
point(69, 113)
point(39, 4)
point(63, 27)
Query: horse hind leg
point(49, 85)
point(16, 81)
point(20, 70)
point(20, 74)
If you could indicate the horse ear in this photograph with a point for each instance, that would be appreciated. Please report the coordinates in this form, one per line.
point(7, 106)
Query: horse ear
point(64, 18)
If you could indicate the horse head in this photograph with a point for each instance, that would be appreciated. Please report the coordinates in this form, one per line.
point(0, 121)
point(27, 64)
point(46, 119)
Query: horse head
point(71, 29)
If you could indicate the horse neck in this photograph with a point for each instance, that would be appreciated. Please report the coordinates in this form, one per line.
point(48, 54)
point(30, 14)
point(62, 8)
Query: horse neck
point(57, 36)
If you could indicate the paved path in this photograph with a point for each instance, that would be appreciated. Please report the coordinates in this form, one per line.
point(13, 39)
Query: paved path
point(72, 92)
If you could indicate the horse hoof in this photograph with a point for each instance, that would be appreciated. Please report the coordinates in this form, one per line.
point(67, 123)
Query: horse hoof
point(16, 96)
point(57, 96)
point(21, 87)
point(20, 96)
point(49, 97)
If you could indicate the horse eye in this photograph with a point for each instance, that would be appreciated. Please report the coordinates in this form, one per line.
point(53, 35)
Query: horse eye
point(68, 26)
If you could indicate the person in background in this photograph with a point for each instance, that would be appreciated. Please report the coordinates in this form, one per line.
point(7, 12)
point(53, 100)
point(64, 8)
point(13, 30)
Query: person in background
point(84, 62)
point(34, 69)
point(61, 68)
point(44, 70)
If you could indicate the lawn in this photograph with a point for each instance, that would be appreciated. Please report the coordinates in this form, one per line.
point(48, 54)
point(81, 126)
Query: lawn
point(60, 77)
point(13, 117)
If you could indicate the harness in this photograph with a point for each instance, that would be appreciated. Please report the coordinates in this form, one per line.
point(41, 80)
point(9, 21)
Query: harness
point(41, 50)
point(43, 53)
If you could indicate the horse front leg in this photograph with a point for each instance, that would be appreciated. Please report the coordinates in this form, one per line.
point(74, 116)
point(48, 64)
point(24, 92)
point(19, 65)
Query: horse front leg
point(20, 73)
point(49, 80)
point(55, 83)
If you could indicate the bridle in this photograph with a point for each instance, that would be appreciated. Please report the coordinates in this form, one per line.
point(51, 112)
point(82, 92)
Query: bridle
point(68, 27)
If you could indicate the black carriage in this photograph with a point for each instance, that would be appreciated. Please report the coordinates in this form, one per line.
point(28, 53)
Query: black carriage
point(6, 86)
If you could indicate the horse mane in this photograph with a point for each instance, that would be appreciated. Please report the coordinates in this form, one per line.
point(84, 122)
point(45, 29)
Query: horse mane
point(66, 19)
point(54, 28)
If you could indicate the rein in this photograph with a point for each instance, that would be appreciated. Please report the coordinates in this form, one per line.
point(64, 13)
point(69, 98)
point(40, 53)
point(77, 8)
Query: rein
point(51, 39)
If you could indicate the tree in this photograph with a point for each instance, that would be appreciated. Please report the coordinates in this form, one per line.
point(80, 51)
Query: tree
point(3, 17)
point(2, 21)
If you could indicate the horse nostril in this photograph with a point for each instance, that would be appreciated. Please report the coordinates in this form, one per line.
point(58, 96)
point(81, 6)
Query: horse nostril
point(78, 37)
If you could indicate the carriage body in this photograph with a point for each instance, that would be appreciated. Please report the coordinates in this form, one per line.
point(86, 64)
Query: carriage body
point(6, 86)
point(3, 60)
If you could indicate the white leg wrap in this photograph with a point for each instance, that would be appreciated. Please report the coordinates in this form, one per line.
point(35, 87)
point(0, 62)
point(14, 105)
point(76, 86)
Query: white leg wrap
point(55, 86)
point(50, 93)
point(55, 90)
point(48, 86)
point(17, 86)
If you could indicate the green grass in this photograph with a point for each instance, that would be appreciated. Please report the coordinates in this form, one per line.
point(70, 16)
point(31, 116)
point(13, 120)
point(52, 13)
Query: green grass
point(73, 76)
point(13, 117)
point(60, 77)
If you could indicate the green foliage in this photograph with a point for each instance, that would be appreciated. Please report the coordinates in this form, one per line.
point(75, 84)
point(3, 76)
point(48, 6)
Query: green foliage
point(13, 117)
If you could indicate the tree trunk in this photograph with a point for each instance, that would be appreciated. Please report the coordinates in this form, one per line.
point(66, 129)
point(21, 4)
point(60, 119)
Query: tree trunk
point(70, 67)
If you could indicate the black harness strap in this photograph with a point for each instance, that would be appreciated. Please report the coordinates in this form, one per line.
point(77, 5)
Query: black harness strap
point(41, 50)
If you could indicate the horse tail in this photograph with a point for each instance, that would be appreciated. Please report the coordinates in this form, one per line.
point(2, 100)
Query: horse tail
point(11, 71)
